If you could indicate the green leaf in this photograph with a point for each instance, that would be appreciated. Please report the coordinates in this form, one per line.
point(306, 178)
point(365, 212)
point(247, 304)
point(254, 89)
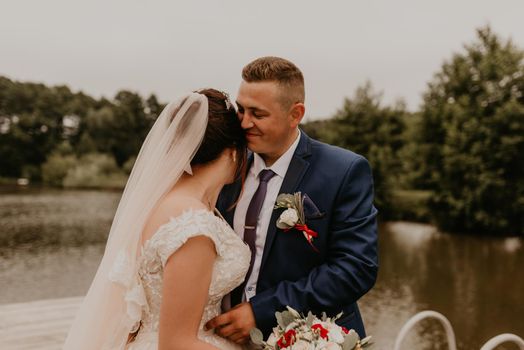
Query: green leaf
point(284, 200)
point(366, 340)
point(287, 317)
point(256, 336)
point(280, 321)
point(368, 346)
point(310, 318)
point(299, 206)
point(293, 312)
point(350, 341)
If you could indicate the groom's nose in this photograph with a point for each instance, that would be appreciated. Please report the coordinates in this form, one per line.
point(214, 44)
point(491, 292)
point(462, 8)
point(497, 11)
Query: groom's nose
point(246, 122)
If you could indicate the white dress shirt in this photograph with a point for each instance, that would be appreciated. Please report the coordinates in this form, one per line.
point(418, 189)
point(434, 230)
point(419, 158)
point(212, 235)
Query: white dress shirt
point(251, 184)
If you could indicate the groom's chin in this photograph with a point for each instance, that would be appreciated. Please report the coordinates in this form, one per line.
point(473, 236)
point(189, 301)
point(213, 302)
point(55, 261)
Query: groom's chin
point(257, 145)
point(252, 147)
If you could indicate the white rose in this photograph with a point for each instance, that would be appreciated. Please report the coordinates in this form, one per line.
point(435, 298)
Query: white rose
point(321, 344)
point(272, 340)
point(307, 334)
point(335, 332)
point(289, 217)
point(302, 345)
point(292, 325)
point(332, 346)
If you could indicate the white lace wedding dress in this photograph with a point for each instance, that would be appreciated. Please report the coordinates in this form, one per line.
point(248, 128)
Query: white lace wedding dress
point(230, 267)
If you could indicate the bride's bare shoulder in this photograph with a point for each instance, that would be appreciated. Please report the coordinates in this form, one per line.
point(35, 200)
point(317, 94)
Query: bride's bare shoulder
point(174, 204)
point(171, 206)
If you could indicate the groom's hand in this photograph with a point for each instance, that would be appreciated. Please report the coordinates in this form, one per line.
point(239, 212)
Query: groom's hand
point(235, 324)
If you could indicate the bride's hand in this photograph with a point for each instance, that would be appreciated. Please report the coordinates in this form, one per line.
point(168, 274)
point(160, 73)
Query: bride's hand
point(235, 324)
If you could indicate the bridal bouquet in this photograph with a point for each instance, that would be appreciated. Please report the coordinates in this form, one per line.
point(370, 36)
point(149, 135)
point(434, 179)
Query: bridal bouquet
point(296, 332)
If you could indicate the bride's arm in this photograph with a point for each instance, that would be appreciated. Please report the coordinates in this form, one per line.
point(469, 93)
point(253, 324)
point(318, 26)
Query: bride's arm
point(187, 276)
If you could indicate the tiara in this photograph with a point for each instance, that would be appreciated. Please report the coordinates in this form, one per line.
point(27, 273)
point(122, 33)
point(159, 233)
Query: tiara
point(227, 100)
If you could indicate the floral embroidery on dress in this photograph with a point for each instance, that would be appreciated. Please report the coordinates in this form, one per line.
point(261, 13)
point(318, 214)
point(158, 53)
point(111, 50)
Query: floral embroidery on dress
point(230, 267)
point(135, 298)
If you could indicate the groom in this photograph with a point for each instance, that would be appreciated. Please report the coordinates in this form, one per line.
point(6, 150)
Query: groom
point(340, 265)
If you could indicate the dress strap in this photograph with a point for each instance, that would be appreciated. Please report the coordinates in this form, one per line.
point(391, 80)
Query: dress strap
point(217, 213)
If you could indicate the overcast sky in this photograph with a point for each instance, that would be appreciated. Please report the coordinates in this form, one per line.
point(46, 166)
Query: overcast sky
point(171, 47)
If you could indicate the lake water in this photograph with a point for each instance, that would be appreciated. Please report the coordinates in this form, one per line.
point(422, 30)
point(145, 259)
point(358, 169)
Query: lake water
point(51, 242)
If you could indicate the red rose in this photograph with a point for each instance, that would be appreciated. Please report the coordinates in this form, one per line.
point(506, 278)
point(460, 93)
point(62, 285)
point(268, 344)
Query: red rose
point(322, 331)
point(345, 330)
point(287, 339)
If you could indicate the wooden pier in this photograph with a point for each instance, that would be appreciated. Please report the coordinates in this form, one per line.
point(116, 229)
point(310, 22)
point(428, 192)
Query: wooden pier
point(41, 324)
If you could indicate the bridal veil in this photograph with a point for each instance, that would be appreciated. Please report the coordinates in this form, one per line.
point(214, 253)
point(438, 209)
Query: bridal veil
point(112, 307)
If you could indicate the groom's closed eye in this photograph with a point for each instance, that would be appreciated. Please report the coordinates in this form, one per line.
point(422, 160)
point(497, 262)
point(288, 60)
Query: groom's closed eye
point(258, 113)
point(255, 112)
point(240, 107)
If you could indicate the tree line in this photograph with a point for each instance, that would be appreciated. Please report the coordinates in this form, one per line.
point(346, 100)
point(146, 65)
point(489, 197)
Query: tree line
point(458, 161)
point(55, 136)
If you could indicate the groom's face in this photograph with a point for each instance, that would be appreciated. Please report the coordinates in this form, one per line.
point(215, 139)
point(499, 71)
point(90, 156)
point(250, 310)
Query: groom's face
point(270, 127)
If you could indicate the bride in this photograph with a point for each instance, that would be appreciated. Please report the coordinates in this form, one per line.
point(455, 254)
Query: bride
point(170, 257)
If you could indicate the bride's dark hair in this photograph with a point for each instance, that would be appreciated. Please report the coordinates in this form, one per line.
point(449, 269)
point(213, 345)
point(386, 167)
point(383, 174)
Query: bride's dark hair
point(223, 131)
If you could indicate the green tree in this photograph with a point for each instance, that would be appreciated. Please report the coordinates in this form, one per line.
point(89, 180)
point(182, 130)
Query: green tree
point(95, 170)
point(32, 118)
point(58, 163)
point(153, 107)
point(118, 128)
point(471, 138)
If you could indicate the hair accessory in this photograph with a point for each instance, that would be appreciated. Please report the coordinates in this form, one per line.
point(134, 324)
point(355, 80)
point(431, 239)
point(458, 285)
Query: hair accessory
point(227, 100)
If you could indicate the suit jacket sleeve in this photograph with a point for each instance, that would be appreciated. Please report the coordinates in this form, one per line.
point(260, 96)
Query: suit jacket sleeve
point(351, 262)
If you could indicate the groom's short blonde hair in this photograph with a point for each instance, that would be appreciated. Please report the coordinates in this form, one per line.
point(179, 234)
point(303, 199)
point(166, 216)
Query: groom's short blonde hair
point(275, 69)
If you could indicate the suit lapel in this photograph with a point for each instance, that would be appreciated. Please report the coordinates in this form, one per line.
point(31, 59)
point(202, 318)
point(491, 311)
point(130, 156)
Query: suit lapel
point(296, 170)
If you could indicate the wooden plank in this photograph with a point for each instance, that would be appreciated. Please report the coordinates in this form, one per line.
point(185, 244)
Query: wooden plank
point(41, 324)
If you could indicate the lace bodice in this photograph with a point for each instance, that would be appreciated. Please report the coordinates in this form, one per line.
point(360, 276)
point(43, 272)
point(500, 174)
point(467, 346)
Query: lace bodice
point(230, 267)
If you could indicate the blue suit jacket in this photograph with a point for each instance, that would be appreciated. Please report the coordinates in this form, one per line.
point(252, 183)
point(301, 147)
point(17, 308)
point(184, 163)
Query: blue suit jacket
point(339, 185)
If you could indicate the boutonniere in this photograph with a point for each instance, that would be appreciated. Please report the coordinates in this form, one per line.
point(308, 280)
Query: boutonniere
point(293, 217)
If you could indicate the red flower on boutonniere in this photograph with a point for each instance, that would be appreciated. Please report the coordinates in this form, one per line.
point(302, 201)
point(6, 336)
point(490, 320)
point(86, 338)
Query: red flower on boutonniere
point(293, 217)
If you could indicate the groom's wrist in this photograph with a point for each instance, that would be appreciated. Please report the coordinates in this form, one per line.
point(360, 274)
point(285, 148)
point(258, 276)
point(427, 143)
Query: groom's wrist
point(264, 313)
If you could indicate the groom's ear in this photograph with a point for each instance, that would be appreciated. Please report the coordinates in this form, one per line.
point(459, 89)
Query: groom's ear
point(297, 113)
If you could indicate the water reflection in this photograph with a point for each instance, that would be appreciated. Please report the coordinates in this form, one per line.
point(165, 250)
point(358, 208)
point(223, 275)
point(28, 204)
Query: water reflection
point(51, 243)
point(42, 217)
point(47, 272)
point(475, 282)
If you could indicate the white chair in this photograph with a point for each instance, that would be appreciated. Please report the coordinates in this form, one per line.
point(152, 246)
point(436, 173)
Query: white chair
point(452, 345)
point(502, 338)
